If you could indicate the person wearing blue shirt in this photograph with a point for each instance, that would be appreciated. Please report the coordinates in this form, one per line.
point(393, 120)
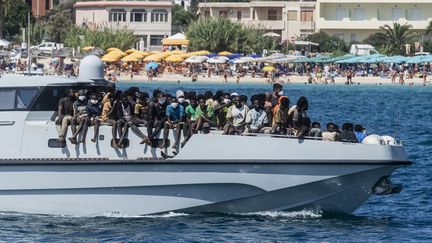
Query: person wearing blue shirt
point(360, 132)
point(174, 114)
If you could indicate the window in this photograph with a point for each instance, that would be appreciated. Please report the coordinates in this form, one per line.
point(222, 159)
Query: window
point(47, 5)
point(253, 14)
point(156, 40)
point(340, 13)
point(340, 36)
point(159, 15)
point(48, 99)
point(223, 14)
point(138, 15)
point(206, 14)
point(272, 14)
point(239, 15)
point(397, 13)
point(416, 14)
point(17, 99)
point(117, 15)
point(292, 15)
point(306, 15)
point(353, 37)
point(359, 14)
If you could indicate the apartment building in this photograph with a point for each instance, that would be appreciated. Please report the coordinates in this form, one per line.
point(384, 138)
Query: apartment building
point(150, 20)
point(289, 19)
point(40, 7)
point(355, 20)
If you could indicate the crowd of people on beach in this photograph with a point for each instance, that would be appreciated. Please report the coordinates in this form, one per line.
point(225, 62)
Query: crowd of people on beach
point(188, 113)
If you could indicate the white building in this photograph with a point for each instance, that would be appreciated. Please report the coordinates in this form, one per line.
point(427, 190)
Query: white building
point(150, 20)
point(289, 19)
point(355, 20)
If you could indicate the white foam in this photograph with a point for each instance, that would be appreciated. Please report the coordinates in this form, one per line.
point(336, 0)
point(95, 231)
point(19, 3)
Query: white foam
point(291, 214)
point(165, 215)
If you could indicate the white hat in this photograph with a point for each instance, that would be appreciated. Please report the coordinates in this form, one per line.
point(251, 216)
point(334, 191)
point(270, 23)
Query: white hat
point(234, 94)
point(179, 93)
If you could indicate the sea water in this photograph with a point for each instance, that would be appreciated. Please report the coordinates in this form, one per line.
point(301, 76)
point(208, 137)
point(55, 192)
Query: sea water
point(401, 111)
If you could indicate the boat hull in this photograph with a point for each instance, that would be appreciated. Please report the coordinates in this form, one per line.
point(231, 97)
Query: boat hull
point(92, 188)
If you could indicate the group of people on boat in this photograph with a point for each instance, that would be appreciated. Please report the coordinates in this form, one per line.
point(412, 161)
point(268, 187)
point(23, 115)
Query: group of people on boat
point(187, 113)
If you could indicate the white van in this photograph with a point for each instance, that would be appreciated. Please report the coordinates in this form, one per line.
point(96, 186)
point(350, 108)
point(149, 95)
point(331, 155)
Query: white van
point(361, 50)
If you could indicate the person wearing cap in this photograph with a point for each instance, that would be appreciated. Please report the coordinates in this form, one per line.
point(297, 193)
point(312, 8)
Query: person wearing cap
point(360, 132)
point(81, 117)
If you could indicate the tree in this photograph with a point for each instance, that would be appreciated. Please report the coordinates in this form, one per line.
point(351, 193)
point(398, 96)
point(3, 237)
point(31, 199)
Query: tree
point(13, 17)
point(181, 17)
point(103, 36)
point(328, 43)
point(396, 37)
point(220, 34)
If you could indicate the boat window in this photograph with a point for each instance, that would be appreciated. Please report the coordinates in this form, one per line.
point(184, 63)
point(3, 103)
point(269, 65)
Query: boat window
point(7, 99)
point(25, 97)
point(17, 98)
point(48, 98)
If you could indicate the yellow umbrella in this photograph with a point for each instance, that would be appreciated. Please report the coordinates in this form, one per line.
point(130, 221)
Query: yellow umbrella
point(154, 52)
point(154, 58)
point(174, 58)
point(118, 53)
point(130, 58)
point(178, 52)
point(224, 53)
point(113, 49)
point(137, 54)
point(88, 48)
point(130, 51)
point(268, 69)
point(109, 58)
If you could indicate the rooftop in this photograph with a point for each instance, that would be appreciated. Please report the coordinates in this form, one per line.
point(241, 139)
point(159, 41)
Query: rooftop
point(123, 4)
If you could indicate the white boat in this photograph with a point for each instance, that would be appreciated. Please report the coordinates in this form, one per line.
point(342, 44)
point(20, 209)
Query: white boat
point(211, 173)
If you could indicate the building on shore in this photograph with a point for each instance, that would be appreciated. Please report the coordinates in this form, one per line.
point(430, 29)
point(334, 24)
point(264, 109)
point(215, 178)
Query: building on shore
point(40, 7)
point(150, 20)
point(289, 19)
point(355, 20)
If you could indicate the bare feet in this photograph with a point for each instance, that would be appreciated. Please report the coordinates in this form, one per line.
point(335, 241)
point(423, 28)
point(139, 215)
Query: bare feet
point(61, 139)
point(93, 140)
point(113, 144)
point(73, 140)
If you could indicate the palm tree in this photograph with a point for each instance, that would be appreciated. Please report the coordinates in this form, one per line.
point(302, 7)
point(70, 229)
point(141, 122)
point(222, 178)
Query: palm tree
point(396, 37)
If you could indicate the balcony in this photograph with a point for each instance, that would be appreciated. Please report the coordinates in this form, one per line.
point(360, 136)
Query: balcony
point(307, 25)
point(373, 23)
point(268, 24)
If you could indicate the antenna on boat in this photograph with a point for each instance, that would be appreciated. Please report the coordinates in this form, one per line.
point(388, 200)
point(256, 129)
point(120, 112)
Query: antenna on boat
point(28, 44)
point(397, 124)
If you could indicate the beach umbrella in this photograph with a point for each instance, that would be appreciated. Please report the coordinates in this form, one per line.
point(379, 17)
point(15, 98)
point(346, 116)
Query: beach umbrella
point(119, 53)
point(4, 53)
point(234, 55)
point(243, 60)
point(130, 51)
point(113, 49)
point(174, 58)
point(110, 58)
point(130, 58)
point(88, 48)
point(224, 53)
point(194, 60)
point(152, 65)
point(216, 60)
point(177, 52)
point(268, 69)
point(154, 58)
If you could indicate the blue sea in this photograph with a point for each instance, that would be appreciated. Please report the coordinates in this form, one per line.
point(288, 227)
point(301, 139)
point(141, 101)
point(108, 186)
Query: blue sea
point(401, 111)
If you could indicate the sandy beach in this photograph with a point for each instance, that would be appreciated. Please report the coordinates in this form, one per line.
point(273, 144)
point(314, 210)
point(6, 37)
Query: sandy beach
point(283, 79)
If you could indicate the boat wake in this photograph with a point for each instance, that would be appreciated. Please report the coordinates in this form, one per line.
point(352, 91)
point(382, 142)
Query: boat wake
point(165, 215)
point(291, 214)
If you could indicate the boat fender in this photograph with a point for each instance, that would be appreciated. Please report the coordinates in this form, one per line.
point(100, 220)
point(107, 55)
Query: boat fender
point(389, 140)
point(374, 139)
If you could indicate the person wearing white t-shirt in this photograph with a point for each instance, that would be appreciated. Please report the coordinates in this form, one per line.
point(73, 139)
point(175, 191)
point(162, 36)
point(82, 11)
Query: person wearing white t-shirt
point(236, 117)
point(256, 118)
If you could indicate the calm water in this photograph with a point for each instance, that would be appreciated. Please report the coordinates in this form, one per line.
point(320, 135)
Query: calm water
point(404, 111)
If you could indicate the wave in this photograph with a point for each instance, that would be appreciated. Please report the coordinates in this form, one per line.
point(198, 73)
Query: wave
point(164, 215)
point(288, 214)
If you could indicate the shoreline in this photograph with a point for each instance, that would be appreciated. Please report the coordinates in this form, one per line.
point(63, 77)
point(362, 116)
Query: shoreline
point(177, 78)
